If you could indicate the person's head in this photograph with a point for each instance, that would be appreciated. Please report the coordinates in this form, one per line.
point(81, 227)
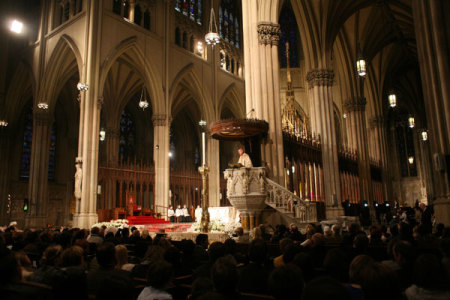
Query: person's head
point(171, 207)
point(202, 240)
point(286, 282)
point(378, 281)
point(159, 274)
point(327, 231)
point(422, 206)
point(403, 252)
point(95, 230)
point(173, 256)
point(357, 264)
point(201, 286)
point(72, 257)
point(360, 242)
point(336, 230)
point(10, 269)
point(52, 255)
point(121, 255)
point(184, 206)
point(215, 251)
point(225, 276)
point(305, 262)
point(179, 206)
point(336, 264)
point(429, 272)
point(239, 231)
point(285, 243)
point(241, 151)
point(257, 251)
point(324, 288)
point(106, 255)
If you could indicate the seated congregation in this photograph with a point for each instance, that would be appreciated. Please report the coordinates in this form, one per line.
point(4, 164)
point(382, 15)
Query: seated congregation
point(281, 263)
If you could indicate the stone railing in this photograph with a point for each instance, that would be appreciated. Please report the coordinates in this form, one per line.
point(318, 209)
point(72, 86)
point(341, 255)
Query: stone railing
point(285, 201)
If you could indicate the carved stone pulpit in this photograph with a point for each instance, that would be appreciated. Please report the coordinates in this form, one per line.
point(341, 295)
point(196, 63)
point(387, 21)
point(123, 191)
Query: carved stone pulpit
point(246, 191)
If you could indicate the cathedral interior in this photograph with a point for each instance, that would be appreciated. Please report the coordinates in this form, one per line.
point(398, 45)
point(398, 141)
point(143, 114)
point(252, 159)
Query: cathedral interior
point(356, 94)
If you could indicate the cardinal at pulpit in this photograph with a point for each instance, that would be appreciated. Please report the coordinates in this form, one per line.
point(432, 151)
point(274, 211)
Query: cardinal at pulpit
point(244, 159)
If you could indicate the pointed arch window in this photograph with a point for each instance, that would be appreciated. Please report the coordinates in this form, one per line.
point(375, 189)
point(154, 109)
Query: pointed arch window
point(177, 36)
point(193, 9)
point(127, 138)
point(25, 158)
point(137, 14)
point(289, 33)
point(52, 150)
point(229, 18)
point(147, 19)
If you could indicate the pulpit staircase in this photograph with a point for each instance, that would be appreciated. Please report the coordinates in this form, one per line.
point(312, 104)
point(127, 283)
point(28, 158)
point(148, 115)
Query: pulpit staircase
point(292, 207)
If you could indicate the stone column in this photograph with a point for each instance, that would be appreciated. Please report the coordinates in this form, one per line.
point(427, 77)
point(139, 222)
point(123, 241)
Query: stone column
point(431, 24)
point(262, 90)
point(131, 10)
point(90, 107)
point(5, 137)
point(38, 180)
point(356, 119)
point(322, 123)
point(161, 125)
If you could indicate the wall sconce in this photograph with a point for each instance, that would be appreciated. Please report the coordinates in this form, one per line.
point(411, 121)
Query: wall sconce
point(42, 105)
point(424, 135)
point(82, 87)
point(102, 134)
point(411, 122)
point(392, 100)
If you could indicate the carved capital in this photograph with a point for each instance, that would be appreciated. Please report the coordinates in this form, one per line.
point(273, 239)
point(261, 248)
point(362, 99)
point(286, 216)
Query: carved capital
point(269, 33)
point(320, 77)
point(356, 104)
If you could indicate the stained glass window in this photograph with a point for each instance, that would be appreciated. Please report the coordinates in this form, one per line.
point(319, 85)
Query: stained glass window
point(289, 33)
point(137, 14)
point(52, 150)
point(127, 139)
point(229, 16)
point(117, 6)
point(147, 19)
point(191, 9)
point(25, 158)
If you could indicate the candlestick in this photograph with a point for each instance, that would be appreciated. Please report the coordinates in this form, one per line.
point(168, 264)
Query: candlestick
point(203, 149)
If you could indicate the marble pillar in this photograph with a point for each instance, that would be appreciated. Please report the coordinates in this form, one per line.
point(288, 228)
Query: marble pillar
point(161, 125)
point(356, 120)
point(90, 106)
point(431, 24)
point(38, 180)
point(262, 90)
point(322, 123)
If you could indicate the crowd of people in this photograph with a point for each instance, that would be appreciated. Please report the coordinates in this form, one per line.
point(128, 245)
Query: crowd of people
point(395, 262)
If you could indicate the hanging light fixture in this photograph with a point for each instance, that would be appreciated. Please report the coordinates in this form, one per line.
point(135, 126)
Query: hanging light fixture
point(143, 103)
point(212, 37)
point(3, 123)
point(411, 122)
point(360, 62)
point(411, 160)
point(102, 134)
point(424, 135)
point(42, 105)
point(392, 99)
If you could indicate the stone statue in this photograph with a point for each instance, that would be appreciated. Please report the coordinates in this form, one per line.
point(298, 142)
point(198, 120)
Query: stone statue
point(78, 178)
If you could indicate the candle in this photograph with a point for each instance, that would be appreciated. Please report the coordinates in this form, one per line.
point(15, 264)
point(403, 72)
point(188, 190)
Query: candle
point(203, 149)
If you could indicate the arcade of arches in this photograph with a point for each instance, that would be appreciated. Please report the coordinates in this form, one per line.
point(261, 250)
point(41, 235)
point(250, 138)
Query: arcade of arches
point(150, 78)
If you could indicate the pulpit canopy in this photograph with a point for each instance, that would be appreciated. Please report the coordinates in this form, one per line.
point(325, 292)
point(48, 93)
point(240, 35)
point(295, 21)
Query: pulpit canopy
point(237, 129)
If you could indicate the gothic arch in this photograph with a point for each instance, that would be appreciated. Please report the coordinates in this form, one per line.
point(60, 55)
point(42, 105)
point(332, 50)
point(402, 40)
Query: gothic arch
point(187, 82)
point(139, 62)
point(232, 99)
point(22, 88)
point(64, 62)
